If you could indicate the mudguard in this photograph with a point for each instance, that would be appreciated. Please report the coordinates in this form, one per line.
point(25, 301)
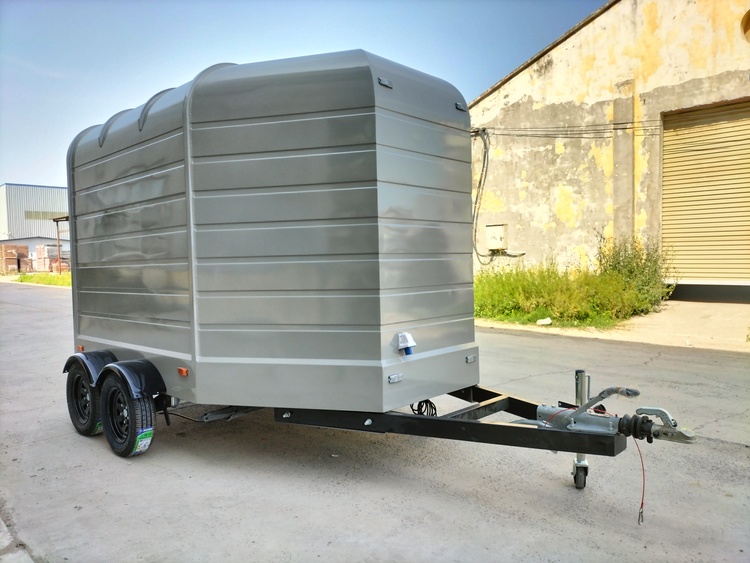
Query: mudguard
point(142, 377)
point(92, 362)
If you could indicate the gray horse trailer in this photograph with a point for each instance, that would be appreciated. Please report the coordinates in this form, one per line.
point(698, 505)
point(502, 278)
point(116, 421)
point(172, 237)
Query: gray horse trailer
point(294, 234)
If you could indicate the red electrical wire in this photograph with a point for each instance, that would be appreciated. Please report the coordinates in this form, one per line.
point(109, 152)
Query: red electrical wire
point(558, 412)
point(640, 455)
point(643, 477)
point(643, 483)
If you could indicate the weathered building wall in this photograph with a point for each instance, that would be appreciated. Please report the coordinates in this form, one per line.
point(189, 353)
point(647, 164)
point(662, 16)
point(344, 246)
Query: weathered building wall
point(575, 133)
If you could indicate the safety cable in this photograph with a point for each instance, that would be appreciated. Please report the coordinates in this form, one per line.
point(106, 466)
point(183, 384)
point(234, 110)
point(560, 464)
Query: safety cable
point(637, 446)
point(172, 413)
point(424, 408)
point(643, 483)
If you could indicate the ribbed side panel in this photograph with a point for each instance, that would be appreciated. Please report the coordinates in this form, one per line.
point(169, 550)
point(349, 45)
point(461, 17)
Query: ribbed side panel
point(132, 248)
point(324, 231)
point(706, 193)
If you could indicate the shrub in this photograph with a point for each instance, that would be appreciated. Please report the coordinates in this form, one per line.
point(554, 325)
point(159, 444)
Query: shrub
point(643, 266)
point(628, 281)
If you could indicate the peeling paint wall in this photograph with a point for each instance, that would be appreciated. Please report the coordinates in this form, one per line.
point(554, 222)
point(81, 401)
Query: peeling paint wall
point(575, 136)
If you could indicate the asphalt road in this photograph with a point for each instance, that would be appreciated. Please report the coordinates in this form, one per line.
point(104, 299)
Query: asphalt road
point(254, 490)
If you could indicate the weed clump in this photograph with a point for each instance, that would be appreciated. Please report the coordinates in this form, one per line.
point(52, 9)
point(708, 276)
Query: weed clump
point(644, 267)
point(629, 280)
point(44, 278)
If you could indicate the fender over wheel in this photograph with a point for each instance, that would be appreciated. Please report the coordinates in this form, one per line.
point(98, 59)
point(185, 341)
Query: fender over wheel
point(83, 402)
point(128, 422)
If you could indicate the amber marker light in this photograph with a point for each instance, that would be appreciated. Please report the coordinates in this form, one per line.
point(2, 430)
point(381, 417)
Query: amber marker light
point(80, 348)
point(183, 372)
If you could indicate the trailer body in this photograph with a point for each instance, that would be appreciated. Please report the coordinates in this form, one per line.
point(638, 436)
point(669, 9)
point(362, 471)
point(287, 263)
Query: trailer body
point(273, 234)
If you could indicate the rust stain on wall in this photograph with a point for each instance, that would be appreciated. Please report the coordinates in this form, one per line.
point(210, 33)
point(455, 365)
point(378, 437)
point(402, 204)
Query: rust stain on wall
point(522, 187)
point(724, 23)
point(696, 49)
point(581, 252)
point(492, 202)
point(641, 154)
point(604, 160)
point(647, 47)
point(568, 205)
point(641, 220)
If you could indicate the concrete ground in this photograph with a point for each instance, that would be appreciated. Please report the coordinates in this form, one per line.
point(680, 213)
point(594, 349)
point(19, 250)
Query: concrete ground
point(255, 490)
point(685, 324)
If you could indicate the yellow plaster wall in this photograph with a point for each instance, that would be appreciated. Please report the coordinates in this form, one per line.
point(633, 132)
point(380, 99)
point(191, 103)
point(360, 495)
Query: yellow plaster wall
point(554, 192)
point(656, 42)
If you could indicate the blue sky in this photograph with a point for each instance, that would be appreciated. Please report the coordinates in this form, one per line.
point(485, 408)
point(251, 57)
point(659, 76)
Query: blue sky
point(69, 64)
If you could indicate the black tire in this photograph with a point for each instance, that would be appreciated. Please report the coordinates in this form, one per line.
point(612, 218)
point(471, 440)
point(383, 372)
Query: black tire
point(83, 402)
point(579, 478)
point(128, 422)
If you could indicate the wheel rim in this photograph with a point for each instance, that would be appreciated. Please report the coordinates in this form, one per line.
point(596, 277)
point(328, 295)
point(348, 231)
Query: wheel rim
point(118, 407)
point(82, 402)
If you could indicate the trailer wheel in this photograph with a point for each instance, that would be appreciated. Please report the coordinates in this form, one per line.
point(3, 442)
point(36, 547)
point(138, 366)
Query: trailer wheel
point(83, 402)
point(128, 422)
point(579, 478)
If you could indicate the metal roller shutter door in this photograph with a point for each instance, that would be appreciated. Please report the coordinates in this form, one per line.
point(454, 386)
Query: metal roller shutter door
point(706, 193)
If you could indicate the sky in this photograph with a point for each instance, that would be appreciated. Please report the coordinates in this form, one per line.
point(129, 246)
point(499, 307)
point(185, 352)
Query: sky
point(68, 64)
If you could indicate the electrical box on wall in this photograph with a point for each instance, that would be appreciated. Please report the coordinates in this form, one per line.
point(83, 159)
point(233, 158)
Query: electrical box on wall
point(495, 237)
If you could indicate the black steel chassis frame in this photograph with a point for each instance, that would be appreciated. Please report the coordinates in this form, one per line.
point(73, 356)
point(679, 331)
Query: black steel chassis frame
point(466, 424)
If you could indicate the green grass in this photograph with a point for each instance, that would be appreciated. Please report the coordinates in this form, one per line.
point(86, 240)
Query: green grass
point(44, 278)
point(627, 282)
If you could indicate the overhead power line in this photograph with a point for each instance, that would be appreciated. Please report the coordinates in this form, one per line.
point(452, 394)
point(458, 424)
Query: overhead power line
point(590, 131)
